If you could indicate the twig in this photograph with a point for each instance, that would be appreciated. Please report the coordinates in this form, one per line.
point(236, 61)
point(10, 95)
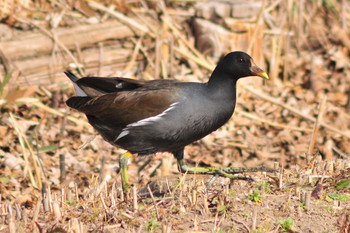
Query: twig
point(197, 60)
point(339, 152)
point(239, 222)
point(104, 204)
point(11, 221)
point(102, 169)
point(307, 199)
point(28, 155)
point(179, 35)
point(130, 22)
point(145, 53)
point(88, 141)
point(317, 125)
point(154, 202)
point(57, 211)
point(136, 51)
point(19, 214)
point(216, 221)
point(134, 193)
point(157, 57)
point(37, 103)
point(280, 180)
point(100, 58)
point(254, 217)
point(274, 124)
point(76, 226)
point(292, 109)
point(62, 168)
point(37, 209)
point(45, 197)
point(257, 27)
point(5, 61)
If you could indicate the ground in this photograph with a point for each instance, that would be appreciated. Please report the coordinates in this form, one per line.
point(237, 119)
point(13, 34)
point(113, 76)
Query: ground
point(57, 175)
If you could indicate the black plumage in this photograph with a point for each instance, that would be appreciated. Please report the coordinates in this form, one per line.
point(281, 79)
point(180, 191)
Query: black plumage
point(145, 117)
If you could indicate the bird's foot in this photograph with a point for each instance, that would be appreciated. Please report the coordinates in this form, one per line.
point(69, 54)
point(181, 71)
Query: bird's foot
point(229, 172)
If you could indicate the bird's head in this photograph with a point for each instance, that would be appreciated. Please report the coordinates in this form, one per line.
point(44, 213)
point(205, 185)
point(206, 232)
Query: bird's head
point(238, 65)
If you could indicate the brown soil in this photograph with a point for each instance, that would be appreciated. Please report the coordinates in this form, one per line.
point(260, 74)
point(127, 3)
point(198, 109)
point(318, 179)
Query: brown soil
point(278, 124)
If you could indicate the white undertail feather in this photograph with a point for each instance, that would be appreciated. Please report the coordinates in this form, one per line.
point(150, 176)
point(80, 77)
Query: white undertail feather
point(78, 90)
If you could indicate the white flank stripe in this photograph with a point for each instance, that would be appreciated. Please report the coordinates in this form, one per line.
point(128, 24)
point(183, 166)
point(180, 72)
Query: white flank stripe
point(155, 118)
point(122, 134)
point(145, 121)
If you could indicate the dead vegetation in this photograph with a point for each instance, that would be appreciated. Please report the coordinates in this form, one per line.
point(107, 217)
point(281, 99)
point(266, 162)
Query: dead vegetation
point(298, 122)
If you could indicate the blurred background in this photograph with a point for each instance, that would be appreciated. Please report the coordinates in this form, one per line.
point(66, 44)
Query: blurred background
point(302, 114)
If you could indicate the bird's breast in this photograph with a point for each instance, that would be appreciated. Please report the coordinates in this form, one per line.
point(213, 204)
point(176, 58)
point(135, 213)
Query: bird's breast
point(199, 118)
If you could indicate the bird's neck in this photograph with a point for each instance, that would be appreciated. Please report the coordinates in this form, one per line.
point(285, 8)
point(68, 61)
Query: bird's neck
point(222, 86)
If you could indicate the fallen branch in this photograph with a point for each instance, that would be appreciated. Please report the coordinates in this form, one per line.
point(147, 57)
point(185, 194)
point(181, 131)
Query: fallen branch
point(85, 35)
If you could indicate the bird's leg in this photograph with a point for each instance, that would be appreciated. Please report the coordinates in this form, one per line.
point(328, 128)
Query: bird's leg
point(220, 171)
point(123, 163)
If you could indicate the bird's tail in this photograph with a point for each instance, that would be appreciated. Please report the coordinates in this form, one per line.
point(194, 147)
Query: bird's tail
point(71, 76)
point(78, 90)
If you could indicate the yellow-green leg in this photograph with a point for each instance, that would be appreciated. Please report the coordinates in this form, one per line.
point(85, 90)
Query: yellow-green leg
point(123, 163)
point(228, 172)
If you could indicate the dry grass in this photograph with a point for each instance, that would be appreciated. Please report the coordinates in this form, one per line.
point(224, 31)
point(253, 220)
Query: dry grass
point(299, 120)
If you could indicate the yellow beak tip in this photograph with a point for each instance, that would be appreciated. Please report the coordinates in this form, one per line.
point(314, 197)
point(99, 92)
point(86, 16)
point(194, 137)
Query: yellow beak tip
point(263, 75)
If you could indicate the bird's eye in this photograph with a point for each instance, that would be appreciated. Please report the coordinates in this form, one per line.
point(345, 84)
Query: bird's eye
point(241, 60)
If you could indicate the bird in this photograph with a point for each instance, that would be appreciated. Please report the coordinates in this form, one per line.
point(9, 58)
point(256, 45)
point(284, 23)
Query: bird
point(149, 116)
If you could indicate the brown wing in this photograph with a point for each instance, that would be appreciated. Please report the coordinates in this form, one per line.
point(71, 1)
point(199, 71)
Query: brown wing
point(125, 107)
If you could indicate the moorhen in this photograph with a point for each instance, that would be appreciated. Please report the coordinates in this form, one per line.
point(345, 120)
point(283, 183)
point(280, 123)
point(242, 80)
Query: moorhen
point(145, 117)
